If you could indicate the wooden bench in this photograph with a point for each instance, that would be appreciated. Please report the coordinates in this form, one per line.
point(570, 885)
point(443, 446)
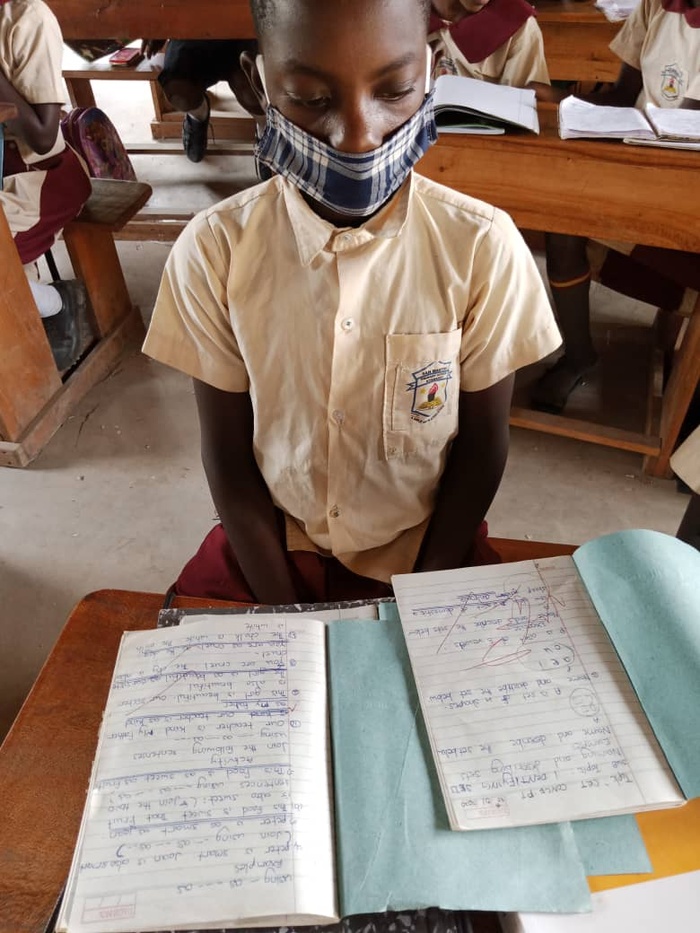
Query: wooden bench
point(34, 399)
point(236, 129)
point(576, 39)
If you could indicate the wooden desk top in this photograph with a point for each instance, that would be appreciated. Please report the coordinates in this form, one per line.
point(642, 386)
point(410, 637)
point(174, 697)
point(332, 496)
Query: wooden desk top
point(46, 758)
point(604, 189)
point(7, 112)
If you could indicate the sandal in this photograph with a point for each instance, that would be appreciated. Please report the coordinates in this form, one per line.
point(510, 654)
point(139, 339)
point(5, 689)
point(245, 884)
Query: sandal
point(551, 392)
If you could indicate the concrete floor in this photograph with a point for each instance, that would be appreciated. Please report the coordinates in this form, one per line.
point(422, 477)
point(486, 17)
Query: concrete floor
point(118, 498)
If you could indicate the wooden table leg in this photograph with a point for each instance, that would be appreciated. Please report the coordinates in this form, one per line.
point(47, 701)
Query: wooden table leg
point(28, 374)
point(680, 389)
point(95, 260)
point(80, 92)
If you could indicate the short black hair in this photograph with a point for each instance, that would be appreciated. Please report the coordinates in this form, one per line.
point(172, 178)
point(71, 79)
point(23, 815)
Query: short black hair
point(264, 12)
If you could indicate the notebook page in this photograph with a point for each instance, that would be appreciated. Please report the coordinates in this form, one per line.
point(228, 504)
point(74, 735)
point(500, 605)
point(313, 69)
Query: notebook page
point(578, 118)
point(674, 122)
point(530, 714)
point(209, 803)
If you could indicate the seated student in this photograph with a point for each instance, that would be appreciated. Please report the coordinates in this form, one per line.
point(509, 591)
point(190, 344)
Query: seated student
point(352, 328)
point(660, 50)
point(192, 66)
point(492, 40)
point(44, 183)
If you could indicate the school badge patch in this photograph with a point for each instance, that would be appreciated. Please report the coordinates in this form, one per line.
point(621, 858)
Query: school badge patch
point(429, 387)
point(672, 82)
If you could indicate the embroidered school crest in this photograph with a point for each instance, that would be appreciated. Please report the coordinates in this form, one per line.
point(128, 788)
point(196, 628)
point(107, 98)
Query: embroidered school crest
point(672, 82)
point(429, 388)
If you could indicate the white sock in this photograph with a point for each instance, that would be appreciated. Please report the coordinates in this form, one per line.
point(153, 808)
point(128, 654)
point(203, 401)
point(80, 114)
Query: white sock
point(201, 112)
point(47, 299)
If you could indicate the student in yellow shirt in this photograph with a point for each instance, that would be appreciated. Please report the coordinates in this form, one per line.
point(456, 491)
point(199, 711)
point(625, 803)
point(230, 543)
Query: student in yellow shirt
point(491, 40)
point(352, 329)
point(659, 46)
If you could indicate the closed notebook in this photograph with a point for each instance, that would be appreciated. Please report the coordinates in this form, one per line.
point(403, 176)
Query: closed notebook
point(562, 688)
point(465, 105)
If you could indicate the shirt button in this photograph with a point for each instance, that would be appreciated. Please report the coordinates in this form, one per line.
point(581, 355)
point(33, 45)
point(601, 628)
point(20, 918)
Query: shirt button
point(334, 512)
point(347, 324)
point(338, 416)
point(346, 237)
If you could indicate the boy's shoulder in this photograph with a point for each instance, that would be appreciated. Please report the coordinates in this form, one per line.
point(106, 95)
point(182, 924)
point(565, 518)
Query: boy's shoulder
point(449, 207)
point(232, 214)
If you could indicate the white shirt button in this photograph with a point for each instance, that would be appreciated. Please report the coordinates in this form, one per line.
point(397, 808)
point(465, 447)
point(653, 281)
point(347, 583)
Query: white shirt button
point(346, 237)
point(334, 512)
point(347, 324)
point(338, 416)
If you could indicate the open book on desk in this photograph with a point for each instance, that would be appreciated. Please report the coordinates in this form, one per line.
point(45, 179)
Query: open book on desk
point(561, 688)
point(210, 802)
point(466, 105)
point(671, 127)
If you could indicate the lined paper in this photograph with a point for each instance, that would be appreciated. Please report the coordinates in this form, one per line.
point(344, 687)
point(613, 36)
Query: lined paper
point(210, 798)
point(530, 714)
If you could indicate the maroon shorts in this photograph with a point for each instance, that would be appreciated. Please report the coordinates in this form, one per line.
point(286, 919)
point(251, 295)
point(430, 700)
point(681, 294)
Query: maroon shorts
point(214, 573)
point(64, 190)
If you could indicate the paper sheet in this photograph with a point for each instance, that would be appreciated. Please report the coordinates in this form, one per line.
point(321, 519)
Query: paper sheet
point(395, 848)
point(210, 800)
point(455, 95)
point(674, 122)
point(530, 714)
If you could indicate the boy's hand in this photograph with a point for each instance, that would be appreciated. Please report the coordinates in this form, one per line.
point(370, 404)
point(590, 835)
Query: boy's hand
point(151, 47)
point(471, 478)
point(239, 492)
point(546, 93)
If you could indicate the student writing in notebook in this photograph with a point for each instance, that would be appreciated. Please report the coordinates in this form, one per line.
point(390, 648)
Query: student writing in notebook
point(352, 328)
point(491, 40)
point(659, 46)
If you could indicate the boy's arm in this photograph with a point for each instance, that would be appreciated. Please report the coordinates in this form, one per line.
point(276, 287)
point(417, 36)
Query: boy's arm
point(37, 124)
point(239, 492)
point(471, 477)
point(623, 93)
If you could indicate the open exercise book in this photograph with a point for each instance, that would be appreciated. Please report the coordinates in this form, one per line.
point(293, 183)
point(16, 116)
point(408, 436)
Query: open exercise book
point(466, 105)
point(561, 688)
point(670, 127)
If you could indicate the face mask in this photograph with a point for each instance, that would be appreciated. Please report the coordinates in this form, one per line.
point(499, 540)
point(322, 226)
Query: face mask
point(353, 184)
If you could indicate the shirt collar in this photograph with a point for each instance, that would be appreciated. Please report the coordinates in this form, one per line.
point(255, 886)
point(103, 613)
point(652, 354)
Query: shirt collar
point(313, 234)
point(691, 13)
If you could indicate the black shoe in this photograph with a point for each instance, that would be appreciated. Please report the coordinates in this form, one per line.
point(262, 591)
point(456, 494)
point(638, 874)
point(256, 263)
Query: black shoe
point(63, 329)
point(195, 134)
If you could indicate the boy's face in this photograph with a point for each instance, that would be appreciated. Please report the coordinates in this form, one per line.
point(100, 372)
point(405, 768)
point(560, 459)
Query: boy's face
point(349, 72)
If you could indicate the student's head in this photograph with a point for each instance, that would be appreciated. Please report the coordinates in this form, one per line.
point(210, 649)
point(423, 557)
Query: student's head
point(349, 72)
point(454, 10)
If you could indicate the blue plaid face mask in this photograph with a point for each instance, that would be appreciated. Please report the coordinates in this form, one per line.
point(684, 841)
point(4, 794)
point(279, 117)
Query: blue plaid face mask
point(353, 184)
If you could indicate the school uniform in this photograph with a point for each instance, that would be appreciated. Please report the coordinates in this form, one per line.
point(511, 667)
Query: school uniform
point(501, 43)
point(41, 192)
point(353, 344)
point(661, 39)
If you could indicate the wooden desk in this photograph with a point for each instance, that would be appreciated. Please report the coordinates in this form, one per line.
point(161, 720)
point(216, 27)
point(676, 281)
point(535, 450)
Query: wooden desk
point(46, 758)
point(576, 39)
point(597, 189)
point(576, 35)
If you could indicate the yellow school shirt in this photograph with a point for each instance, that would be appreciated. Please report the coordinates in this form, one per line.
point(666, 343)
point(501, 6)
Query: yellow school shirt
point(354, 344)
point(517, 62)
point(31, 53)
point(665, 49)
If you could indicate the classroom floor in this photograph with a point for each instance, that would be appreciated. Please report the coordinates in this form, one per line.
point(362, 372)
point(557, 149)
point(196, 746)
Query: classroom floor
point(118, 498)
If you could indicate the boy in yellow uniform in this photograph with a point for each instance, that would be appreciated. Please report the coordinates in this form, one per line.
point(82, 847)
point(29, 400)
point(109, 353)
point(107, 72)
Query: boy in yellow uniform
point(491, 40)
point(659, 46)
point(352, 328)
point(44, 184)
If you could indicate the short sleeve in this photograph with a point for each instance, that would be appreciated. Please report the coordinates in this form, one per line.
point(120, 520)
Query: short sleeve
point(191, 327)
point(628, 43)
point(35, 70)
point(510, 323)
point(526, 61)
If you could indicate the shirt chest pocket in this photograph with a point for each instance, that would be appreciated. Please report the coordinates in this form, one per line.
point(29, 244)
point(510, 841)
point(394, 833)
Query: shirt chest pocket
point(421, 392)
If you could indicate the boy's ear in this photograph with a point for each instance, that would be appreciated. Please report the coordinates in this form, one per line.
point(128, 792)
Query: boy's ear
point(252, 95)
